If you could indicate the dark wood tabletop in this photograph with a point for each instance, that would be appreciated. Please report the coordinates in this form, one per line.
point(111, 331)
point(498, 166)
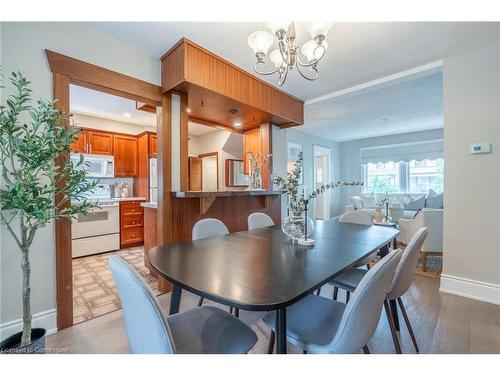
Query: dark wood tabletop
point(262, 269)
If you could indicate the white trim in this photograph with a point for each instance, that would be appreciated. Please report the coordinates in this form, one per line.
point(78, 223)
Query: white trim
point(418, 72)
point(474, 289)
point(44, 319)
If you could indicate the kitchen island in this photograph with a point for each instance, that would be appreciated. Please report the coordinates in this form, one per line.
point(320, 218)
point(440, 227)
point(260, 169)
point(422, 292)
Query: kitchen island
point(232, 207)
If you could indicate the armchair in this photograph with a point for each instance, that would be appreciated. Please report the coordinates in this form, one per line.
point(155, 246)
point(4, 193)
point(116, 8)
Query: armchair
point(432, 218)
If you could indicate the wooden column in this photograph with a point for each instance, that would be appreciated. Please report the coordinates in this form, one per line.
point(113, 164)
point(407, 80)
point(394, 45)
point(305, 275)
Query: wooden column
point(64, 262)
point(184, 135)
point(164, 210)
point(266, 145)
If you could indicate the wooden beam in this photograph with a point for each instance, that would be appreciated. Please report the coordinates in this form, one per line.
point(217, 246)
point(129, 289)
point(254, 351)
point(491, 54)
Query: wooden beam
point(184, 137)
point(92, 76)
point(64, 262)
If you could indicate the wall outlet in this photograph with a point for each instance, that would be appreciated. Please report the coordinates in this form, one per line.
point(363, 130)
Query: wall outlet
point(480, 148)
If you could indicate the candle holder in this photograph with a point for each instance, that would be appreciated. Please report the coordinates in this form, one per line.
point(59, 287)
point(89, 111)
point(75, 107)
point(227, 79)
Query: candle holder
point(306, 241)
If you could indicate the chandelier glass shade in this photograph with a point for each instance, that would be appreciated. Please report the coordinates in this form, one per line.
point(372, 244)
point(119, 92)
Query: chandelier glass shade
point(286, 56)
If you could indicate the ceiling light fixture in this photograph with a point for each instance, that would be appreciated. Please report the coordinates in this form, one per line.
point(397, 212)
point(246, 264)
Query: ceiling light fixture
point(237, 124)
point(188, 110)
point(127, 115)
point(286, 56)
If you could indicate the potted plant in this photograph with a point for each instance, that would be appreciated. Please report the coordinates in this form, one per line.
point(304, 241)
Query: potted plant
point(32, 136)
point(294, 224)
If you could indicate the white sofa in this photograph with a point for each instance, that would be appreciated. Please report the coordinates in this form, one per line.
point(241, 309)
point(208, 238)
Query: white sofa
point(432, 218)
point(393, 197)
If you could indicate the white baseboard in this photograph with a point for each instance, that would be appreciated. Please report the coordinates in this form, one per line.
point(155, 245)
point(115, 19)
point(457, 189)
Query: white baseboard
point(474, 289)
point(45, 319)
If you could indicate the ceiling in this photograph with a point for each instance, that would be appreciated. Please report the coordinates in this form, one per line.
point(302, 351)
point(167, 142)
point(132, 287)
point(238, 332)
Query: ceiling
point(407, 105)
point(199, 130)
point(111, 107)
point(358, 52)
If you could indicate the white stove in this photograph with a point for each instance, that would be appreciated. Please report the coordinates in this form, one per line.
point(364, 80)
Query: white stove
point(98, 231)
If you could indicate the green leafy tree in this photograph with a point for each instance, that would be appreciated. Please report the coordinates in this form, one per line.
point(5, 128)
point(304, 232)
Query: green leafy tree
point(32, 136)
point(381, 184)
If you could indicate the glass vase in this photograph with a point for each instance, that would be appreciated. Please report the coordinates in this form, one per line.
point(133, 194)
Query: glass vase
point(294, 225)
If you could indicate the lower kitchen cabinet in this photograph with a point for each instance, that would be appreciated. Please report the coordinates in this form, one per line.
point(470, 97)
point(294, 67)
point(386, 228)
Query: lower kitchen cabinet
point(131, 223)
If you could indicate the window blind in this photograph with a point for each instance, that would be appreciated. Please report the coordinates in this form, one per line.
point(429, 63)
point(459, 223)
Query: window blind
point(432, 149)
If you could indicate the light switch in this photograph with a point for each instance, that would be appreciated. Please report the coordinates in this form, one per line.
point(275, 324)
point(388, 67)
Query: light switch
point(480, 148)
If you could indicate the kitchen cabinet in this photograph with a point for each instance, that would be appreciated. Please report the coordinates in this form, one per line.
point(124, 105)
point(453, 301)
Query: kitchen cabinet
point(131, 223)
point(93, 142)
point(152, 144)
point(80, 145)
point(251, 143)
point(126, 155)
point(100, 143)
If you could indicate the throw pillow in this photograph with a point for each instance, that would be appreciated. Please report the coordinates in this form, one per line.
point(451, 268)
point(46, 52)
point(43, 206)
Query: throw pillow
point(368, 200)
point(431, 194)
point(416, 204)
point(435, 201)
point(357, 202)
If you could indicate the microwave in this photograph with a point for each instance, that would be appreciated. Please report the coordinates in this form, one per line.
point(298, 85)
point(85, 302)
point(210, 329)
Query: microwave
point(97, 166)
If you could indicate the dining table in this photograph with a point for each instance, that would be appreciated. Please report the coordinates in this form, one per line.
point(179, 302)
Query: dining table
point(264, 269)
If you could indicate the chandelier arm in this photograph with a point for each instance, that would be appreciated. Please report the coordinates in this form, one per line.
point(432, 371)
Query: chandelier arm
point(314, 62)
point(261, 72)
point(316, 73)
point(283, 76)
point(283, 50)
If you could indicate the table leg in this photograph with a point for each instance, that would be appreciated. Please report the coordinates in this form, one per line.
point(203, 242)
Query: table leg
point(175, 299)
point(394, 310)
point(281, 331)
point(384, 250)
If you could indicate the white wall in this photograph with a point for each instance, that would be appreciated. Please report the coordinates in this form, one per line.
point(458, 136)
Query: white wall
point(22, 48)
point(228, 145)
point(308, 141)
point(350, 153)
point(100, 123)
point(472, 182)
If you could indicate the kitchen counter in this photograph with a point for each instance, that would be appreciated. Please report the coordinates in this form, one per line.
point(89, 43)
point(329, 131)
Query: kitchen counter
point(129, 199)
point(149, 205)
point(227, 193)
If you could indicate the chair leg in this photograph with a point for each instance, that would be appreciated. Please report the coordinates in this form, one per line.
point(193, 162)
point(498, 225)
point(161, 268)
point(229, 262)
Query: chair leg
point(393, 329)
point(335, 293)
point(200, 301)
point(408, 325)
point(318, 291)
point(237, 312)
point(366, 350)
point(270, 348)
point(347, 296)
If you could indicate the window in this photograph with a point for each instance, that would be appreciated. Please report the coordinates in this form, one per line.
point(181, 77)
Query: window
point(415, 176)
point(425, 175)
point(293, 153)
point(382, 177)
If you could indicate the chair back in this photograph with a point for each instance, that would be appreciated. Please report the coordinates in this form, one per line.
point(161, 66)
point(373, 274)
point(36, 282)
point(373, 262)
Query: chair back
point(356, 217)
point(145, 325)
point(206, 228)
point(259, 220)
point(405, 272)
point(362, 313)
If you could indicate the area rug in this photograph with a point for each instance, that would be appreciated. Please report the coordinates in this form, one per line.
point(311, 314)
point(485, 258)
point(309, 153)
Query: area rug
point(94, 290)
point(434, 267)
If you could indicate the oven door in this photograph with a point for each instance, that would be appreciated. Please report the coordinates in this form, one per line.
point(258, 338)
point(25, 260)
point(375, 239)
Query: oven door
point(100, 221)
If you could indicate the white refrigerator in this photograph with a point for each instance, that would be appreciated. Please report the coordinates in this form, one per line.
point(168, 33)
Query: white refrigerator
point(153, 180)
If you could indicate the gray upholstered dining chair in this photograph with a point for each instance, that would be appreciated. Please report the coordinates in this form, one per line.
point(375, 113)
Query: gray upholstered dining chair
point(360, 218)
point(206, 228)
point(259, 220)
point(199, 330)
point(405, 273)
point(322, 325)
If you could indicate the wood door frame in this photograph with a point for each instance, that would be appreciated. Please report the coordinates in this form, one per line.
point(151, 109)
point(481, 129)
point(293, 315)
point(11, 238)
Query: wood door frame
point(67, 70)
point(226, 173)
point(207, 154)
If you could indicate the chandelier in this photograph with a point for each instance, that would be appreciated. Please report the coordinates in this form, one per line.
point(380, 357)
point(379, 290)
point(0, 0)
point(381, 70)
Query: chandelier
point(286, 56)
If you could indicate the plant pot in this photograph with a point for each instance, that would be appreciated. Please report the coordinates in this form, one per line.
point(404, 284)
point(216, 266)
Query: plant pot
point(11, 344)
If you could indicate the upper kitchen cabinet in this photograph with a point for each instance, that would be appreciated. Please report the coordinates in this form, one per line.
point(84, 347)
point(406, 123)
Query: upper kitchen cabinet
point(126, 155)
point(93, 142)
point(81, 144)
point(224, 94)
point(100, 143)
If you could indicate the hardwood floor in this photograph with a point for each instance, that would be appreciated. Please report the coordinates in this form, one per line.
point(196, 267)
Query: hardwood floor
point(442, 323)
